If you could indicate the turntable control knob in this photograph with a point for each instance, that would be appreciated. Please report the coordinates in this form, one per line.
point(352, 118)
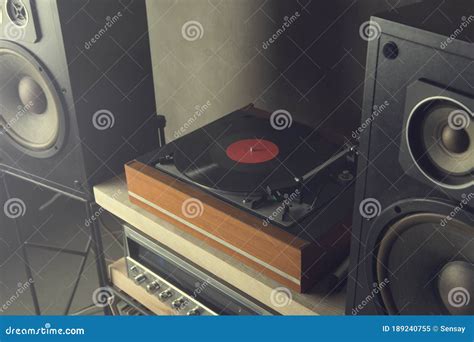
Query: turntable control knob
point(166, 294)
point(139, 279)
point(194, 312)
point(153, 287)
point(134, 269)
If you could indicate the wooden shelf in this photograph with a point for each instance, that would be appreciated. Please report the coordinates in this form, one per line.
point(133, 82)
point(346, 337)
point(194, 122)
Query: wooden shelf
point(113, 196)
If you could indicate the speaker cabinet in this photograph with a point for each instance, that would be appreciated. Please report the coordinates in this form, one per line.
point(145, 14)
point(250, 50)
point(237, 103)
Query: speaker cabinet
point(413, 230)
point(76, 96)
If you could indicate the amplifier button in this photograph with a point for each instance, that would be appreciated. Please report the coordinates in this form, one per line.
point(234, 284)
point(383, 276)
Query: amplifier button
point(140, 278)
point(179, 303)
point(194, 312)
point(166, 294)
point(153, 287)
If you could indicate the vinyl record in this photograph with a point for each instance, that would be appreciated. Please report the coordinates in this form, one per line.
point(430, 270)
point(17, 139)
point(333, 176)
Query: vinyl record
point(245, 154)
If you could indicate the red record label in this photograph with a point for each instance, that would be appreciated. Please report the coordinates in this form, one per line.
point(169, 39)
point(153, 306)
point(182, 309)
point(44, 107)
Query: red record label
point(252, 151)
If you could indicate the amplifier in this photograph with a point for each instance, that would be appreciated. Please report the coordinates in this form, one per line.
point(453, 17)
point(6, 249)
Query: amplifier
point(179, 283)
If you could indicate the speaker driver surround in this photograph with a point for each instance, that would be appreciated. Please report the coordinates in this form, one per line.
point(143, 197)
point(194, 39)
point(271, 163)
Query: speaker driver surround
point(31, 113)
point(424, 262)
point(440, 136)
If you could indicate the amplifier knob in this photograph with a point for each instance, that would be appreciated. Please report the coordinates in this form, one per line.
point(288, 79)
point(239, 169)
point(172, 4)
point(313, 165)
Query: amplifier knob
point(132, 312)
point(153, 287)
point(166, 294)
point(194, 312)
point(139, 279)
point(179, 303)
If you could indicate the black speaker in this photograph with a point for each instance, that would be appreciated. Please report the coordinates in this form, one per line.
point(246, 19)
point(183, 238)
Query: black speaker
point(76, 96)
point(413, 229)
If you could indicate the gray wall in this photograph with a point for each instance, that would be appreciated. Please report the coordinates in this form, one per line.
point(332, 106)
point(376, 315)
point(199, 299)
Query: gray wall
point(314, 69)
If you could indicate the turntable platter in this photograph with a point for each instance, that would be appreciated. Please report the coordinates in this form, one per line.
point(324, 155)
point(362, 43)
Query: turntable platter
point(243, 153)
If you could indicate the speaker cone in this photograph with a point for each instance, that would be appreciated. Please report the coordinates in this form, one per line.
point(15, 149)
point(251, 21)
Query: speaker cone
point(440, 136)
point(426, 263)
point(31, 113)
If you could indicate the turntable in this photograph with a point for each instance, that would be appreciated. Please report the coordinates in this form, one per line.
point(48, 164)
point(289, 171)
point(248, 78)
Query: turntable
point(279, 200)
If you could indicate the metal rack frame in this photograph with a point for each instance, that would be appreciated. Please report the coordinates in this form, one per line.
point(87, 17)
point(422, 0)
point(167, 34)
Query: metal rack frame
point(94, 243)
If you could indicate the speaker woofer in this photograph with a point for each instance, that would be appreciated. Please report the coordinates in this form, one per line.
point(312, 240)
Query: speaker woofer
point(440, 136)
point(427, 266)
point(31, 113)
